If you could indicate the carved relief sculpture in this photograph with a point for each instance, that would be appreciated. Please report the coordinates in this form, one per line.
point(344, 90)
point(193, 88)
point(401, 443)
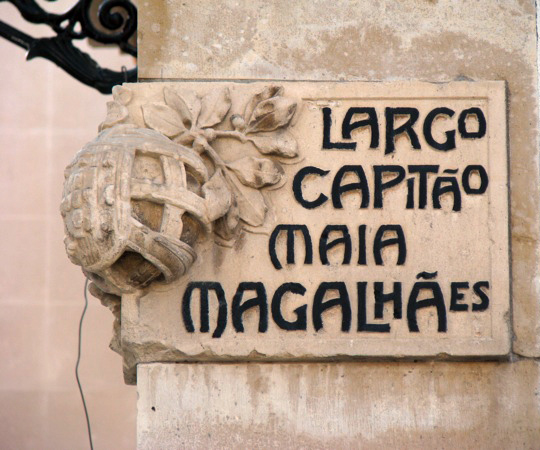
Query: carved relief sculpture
point(138, 197)
point(350, 243)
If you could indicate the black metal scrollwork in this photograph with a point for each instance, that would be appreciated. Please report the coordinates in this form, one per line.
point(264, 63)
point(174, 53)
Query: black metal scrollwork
point(114, 23)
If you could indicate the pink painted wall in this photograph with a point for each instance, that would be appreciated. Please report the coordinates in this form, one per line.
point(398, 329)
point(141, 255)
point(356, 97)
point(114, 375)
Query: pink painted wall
point(45, 117)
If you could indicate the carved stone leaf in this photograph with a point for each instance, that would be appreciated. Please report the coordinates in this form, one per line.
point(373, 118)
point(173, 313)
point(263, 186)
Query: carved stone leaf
point(265, 94)
point(116, 113)
point(251, 205)
point(218, 196)
point(227, 226)
point(163, 118)
point(271, 114)
point(281, 143)
point(176, 102)
point(193, 103)
point(214, 107)
point(256, 172)
point(186, 138)
point(122, 94)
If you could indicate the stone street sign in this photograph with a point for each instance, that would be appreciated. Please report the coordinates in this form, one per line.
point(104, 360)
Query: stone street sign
point(316, 220)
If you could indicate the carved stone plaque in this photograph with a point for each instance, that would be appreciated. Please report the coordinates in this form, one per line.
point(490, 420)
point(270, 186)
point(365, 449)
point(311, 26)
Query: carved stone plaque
point(312, 220)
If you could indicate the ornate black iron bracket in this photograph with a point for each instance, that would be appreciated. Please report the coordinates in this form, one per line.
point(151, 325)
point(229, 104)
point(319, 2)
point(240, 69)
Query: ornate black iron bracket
point(114, 23)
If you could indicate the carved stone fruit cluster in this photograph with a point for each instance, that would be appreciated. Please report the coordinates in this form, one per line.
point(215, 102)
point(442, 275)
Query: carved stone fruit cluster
point(138, 197)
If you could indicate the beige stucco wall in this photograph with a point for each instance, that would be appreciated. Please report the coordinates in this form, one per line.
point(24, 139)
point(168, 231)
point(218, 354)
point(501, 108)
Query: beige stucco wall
point(436, 41)
point(342, 405)
point(45, 117)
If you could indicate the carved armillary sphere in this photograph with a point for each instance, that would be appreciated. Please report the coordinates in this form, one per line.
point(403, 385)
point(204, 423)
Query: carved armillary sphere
point(138, 197)
point(104, 21)
point(131, 208)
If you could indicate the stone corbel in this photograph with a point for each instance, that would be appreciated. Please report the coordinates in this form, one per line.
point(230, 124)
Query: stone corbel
point(139, 197)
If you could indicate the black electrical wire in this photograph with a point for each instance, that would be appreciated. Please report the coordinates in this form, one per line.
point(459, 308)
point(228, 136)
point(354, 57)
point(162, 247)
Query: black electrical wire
point(77, 365)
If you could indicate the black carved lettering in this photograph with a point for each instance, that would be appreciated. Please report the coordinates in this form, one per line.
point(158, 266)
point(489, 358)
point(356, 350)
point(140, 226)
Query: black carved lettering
point(381, 186)
point(423, 171)
point(484, 299)
point(443, 185)
point(363, 324)
point(290, 229)
point(450, 142)
point(407, 127)
point(436, 300)
point(301, 312)
point(320, 306)
point(371, 121)
point(380, 242)
point(327, 126)
point(456, 296)
point(297, 187)
point(462, 124)
point(260, 301)
point(362, 260)
point(361, 186)
point(410, 193)
point(205, 287)
point(466, 180)
point(381, 298)
point(344, 239)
